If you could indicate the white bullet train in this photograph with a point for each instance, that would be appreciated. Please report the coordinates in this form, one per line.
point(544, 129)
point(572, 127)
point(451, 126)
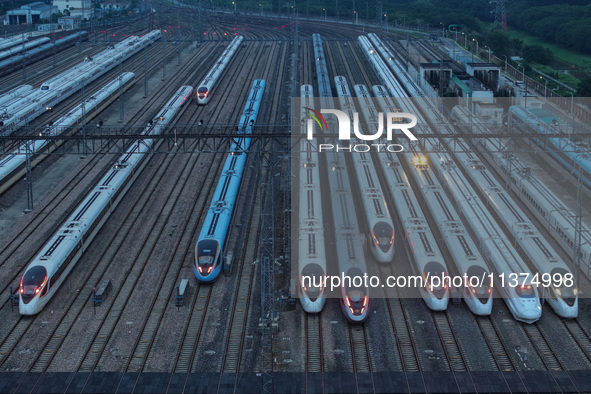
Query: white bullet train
point(14, 94)
point(563, 299)
point(311, 246)
point(355, 299)
point(12, 41)
point(51, 266)
point(21, 48)
point(14, 161)
point(204, 89)
point(377, 214)
point(466, 256)
point(57, 89)
point(569, 154)
point(521, 298)
point(16, 62)
point(210, 246)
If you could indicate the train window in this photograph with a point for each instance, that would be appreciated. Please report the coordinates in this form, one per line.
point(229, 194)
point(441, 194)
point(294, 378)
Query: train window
point(57, 274)
point(33, 279)
point(383, 235)
point(207, 250)
point(314, 280)
point(432, 269)
point(525, 291)
point(202, 92)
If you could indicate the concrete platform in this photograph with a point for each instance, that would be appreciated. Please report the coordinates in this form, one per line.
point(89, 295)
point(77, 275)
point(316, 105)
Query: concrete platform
point(333, 382)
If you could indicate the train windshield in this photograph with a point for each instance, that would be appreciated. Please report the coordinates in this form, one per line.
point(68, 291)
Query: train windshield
point(313, 281)
point(436, 286)
point(202, 92)
point(525, 291)
point(355, 296)
point(479, 276)
point(32, 281)
point(207, 252)
point(567, 293)
point(383, 235)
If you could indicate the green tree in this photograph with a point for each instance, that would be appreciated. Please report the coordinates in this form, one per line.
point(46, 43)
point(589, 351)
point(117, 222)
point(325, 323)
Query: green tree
point(537, 54)
point(584, 89)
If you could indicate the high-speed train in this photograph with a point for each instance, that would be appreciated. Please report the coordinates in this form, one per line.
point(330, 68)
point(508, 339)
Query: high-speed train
point(23, 47)
point(62, 86)
point(210, 246)
point(354, 299)
point(311, 246)
point(563, 299)
point(377, 214)
point(204, 89)
point(12, 41)
point(466, 256)
point(9, 164)
point(522, 299)
point(40, 52)
point(15, 94)
point(566, 152)
point(51, 266)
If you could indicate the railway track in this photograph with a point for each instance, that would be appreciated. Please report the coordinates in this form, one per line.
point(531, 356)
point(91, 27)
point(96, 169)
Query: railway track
point(579, 335)
point(495, 344)
point(154, 321)
point(451, 345)
point(5, 343)
point(47, 221)
point(234, 355)
point(540, 342)
point(188, 351)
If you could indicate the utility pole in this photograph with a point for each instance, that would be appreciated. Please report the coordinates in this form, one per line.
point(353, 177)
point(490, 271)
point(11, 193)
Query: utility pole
point(29, 178)
point(121, 114)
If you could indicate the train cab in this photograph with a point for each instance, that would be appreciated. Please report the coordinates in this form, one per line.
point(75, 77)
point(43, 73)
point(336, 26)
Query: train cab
point(354, 298)
point(202, 95)
point(207, 260)
point(435, 291)
point(33, 287)
point(312, 289)
point(564, 299)
point(523, 301)
point(383, 239)
point(478, 298)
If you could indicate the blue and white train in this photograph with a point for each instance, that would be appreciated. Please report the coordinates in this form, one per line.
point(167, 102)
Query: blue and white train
point(59, 255)
point(204, 89)
point(311, 246)
point(210, 246)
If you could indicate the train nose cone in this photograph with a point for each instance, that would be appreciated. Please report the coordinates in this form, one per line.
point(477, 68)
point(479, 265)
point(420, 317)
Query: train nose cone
point(26, 309)
point(531, 312)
